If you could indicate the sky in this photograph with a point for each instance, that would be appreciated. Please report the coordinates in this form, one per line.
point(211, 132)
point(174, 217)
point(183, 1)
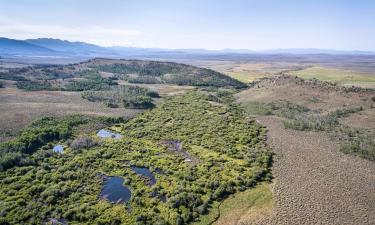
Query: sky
point(208, 24)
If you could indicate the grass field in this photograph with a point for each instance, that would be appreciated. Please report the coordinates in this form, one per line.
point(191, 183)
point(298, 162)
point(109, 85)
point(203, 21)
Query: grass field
point(242, 208)
point(339, 76)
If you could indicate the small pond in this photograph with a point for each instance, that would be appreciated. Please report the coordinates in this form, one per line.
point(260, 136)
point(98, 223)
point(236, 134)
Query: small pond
point(107, 134)
point(114, 190)
point(145, 172)
point(58, 148)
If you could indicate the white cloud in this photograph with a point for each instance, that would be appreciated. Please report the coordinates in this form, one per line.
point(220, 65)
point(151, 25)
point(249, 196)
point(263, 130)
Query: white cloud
point(92, 34)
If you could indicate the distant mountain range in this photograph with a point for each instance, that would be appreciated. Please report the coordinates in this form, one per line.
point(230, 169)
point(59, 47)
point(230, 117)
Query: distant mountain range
point(48, 47)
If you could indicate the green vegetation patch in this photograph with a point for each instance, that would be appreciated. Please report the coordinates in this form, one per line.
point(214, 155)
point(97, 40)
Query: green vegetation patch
point(8, 76)
point(16, 152)
point(136, 71)
point(90, 80)
point(35, 85)
point(280, 108)
point(206, 152)
point(192, 120)
point(126, 95)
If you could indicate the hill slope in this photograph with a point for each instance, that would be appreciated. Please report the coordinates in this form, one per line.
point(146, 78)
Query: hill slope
point(151, 72)
point(132, 71)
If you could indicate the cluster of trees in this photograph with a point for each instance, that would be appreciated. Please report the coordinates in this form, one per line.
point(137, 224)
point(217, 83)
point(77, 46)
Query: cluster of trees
point(134, 71)
point(17, 151)
point(127, 95)
point(144, 68)
point(144, 80)
point(84, 85)
point(9, 76)
point(92, 81)
point(35, 85)
point(41, 72)
point(169, 72)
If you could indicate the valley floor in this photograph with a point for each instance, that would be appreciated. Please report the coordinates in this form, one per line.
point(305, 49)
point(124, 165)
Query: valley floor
point(314, 182)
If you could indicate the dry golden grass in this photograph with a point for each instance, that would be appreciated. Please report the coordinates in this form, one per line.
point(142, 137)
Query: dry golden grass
point(245, 207)
point(18, 108)
point(339, 76)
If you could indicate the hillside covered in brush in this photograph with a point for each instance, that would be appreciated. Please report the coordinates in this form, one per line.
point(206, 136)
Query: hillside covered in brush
point(151, 72)
point(132, 71)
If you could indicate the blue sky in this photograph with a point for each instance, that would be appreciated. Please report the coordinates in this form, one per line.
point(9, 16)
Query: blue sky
point(209, 24)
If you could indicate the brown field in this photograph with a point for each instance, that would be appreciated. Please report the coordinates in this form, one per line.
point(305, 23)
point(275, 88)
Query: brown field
point(19, 108)
point(315, 183)
point(316, 97)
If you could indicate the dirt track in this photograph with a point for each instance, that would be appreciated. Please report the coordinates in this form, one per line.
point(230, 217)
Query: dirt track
point(315, 183)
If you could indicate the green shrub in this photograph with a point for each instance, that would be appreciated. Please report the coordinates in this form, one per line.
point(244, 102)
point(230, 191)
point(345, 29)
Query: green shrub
point(39, 133)
point(127, 95)
point(169, 72)
point(35, 85)
point(10, 76)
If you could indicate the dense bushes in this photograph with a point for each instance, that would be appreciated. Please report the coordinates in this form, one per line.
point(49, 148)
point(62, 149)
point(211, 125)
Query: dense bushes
point(84, 85)
point(77, 77)
point(360, 142)
point(35, 85)
point(127, 95)
point(10, 76)
point(91, 81)
point(15, 152)
point(144, 80)
point(169, 72)
point(138, 102)
point(83, 141)
point(87, 80)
